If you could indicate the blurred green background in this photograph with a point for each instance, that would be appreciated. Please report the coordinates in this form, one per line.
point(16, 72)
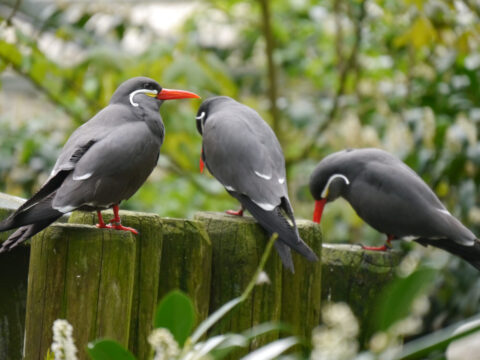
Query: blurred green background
point(400, 75)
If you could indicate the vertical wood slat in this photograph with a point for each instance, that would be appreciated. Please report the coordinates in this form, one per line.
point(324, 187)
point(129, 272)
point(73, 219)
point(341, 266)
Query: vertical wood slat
point(149, 243)
point(13, 289)
point(302, 291)
point(364, 275)
point(186, 262)
point(237, 246)
point(84, 275)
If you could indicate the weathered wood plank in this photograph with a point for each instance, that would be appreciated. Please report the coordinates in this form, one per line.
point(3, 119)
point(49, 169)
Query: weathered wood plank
point(85, 275)
point(13, 288)
point(237, 246)
point(13, 301)
point(356, 277)
point(186, 262)
point(302, 291)
point(147, 271)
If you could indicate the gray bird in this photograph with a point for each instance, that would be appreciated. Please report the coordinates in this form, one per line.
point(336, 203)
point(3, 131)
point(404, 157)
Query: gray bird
point(392, 198)
point(242, 152)
point(104, 161)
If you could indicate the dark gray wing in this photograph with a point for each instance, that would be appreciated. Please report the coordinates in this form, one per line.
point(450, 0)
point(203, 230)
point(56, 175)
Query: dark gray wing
point(112, 169)
point(89, 133)
point(243, 153)
point(396, 201)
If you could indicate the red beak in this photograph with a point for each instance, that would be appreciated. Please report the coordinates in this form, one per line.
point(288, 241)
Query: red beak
point(317, 213)
point(169, 94)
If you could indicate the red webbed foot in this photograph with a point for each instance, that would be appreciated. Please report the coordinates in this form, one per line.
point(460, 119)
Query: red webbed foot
point(388, 245)
point(115, 223)
point(375, 248)
point(119, 226)
point(235, 213)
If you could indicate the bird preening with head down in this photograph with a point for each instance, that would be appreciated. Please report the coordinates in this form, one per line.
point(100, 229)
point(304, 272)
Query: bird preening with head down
point(104, 162)
point(242, 152)
point(392, 198)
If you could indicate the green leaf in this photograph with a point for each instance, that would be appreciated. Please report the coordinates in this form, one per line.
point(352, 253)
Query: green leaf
point(396, 300)
point(176, 313)
point(213, 318)
point(108, 350)
point(439, 340)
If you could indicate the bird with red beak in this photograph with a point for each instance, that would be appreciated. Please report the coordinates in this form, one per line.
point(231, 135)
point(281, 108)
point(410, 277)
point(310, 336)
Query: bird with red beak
point(104, 162)
point(393, 199)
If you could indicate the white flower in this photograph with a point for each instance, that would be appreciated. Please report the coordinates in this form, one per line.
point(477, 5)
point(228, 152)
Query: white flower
point(336, 338)
point(262, 278)
point(63, 346)
point(163, 344)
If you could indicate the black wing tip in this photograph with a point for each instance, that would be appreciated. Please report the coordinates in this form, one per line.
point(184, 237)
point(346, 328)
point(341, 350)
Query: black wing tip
point(285, 254)
point(470, 254)
point(15, 239)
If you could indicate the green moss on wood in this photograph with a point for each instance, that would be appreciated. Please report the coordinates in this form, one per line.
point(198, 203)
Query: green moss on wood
point(356, 276)
point(186, 262)
point(84, 275)
point(237, 246)
point(148, 256)
point(302, 291)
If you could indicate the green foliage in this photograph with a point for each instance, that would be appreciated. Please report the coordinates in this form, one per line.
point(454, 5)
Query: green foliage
point(400, 75)
point(108, 350)
point(176, 313)
point(397, 298)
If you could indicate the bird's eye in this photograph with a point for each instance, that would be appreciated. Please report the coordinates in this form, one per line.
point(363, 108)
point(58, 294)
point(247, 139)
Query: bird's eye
point(148, 86)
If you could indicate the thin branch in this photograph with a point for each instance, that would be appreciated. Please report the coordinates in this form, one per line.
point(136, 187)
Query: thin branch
point(52, 97)
point(349, 65)
point(272, 74)
point(14, 11)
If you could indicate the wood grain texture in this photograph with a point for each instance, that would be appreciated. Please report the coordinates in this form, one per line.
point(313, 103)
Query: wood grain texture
point(84, 275)
point(356, 277)
point(147, 264)
point(301, 293)
point(186, 262)
point(237, 246)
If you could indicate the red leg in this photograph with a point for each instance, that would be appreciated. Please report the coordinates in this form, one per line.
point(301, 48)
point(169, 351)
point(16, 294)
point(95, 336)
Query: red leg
point(116, 223)
point(388, 245)
point(101, 223)
point(239, 212)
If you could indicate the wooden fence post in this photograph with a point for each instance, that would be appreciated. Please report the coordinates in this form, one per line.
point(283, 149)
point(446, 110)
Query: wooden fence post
point(237, 246)
point(302, 291)
point(84, 275)
point(186, 262)
point(356, 277)
point(13, 289)
point(147, 264)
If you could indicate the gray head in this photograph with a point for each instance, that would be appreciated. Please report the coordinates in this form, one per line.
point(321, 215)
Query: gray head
point(328, 181)
point(143, 91)
point(208, 107)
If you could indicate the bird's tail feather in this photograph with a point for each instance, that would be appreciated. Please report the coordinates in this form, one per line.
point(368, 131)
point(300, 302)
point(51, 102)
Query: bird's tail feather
point(470, 254)
point(275, 221)
point(29, 221)
point(39, 212)
point(23, 234)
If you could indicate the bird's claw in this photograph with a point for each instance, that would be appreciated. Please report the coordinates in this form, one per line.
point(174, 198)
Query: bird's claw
point(117, 226)
point(235, 213)
point(377, 248)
